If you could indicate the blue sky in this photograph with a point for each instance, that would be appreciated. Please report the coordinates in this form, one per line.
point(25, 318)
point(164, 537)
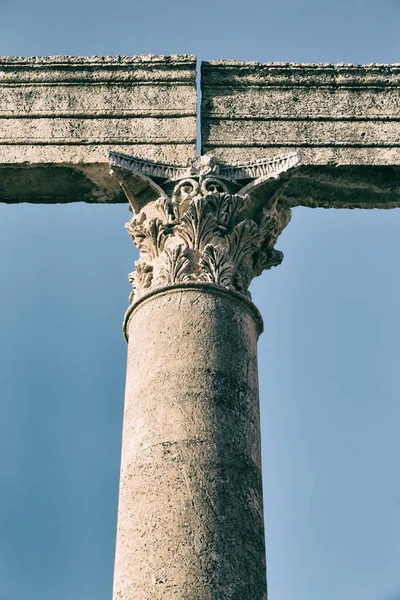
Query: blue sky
point(329, 357)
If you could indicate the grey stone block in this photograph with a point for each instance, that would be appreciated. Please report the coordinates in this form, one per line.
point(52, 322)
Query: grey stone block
point(60, 116)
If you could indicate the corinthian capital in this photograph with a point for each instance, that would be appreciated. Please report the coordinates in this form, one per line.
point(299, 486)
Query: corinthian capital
point(205, 222)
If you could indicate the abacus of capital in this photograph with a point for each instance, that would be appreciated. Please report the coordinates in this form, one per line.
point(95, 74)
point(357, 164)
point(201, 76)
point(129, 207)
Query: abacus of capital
point(274, 136)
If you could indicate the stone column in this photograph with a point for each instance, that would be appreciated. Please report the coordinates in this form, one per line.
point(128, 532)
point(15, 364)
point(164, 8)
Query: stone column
point(190, 522)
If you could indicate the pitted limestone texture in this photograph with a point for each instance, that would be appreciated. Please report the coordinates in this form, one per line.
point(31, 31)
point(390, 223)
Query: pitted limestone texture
point(190, 522)
point(60, 116)
point(341, 114)
point(343, 119)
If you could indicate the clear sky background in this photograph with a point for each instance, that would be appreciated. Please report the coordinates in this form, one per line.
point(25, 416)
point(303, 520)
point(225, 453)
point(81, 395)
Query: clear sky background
point(329, 357)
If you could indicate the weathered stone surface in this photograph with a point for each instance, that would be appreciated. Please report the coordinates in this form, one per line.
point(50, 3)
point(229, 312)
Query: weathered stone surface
point(60, 116)
point(190, 523)
point(204, 223)
point(341, 118)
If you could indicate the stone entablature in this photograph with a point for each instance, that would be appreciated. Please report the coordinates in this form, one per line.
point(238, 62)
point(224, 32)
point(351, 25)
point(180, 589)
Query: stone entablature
point(60, 116)
point(343, 119)
point(343, 114)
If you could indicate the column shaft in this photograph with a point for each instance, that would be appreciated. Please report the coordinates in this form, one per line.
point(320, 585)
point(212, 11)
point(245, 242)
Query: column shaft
point(190, 521)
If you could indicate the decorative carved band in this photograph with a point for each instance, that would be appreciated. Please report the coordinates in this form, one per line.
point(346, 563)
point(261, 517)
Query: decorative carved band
point(200, 231)
point(252, 170)
point(146, 167)
point(261, 168)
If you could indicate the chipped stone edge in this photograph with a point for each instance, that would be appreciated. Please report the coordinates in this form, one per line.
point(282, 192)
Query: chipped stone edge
point(299, 65)
point(282, 74)
point(138, 59)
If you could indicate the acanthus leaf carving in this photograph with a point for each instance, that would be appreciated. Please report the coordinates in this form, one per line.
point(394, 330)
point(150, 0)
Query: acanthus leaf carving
point(168, 210)
point(273, 222)
point(241, 244)
point(215, 266)
point(266, 259)
point(242, 240)
point(202, 229)
point(144, 274)
point(177, 265)
point(148, 236)
point(198, 226)
point(207, 242)
point(226, 207)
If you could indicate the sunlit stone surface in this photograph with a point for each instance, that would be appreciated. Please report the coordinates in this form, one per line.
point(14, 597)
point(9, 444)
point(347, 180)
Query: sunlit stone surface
point(274, 136)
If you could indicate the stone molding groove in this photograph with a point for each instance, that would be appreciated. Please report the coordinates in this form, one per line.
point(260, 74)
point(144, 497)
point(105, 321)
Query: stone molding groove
point(60, 116)
point(203, 223)
point(342, 114)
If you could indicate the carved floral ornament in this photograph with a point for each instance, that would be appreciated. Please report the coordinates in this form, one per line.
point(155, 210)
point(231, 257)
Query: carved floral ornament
point(204, 222)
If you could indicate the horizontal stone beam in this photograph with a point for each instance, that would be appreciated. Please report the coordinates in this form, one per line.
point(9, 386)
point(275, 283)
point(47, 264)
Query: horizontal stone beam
point(60, 117)
point(343, 119)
